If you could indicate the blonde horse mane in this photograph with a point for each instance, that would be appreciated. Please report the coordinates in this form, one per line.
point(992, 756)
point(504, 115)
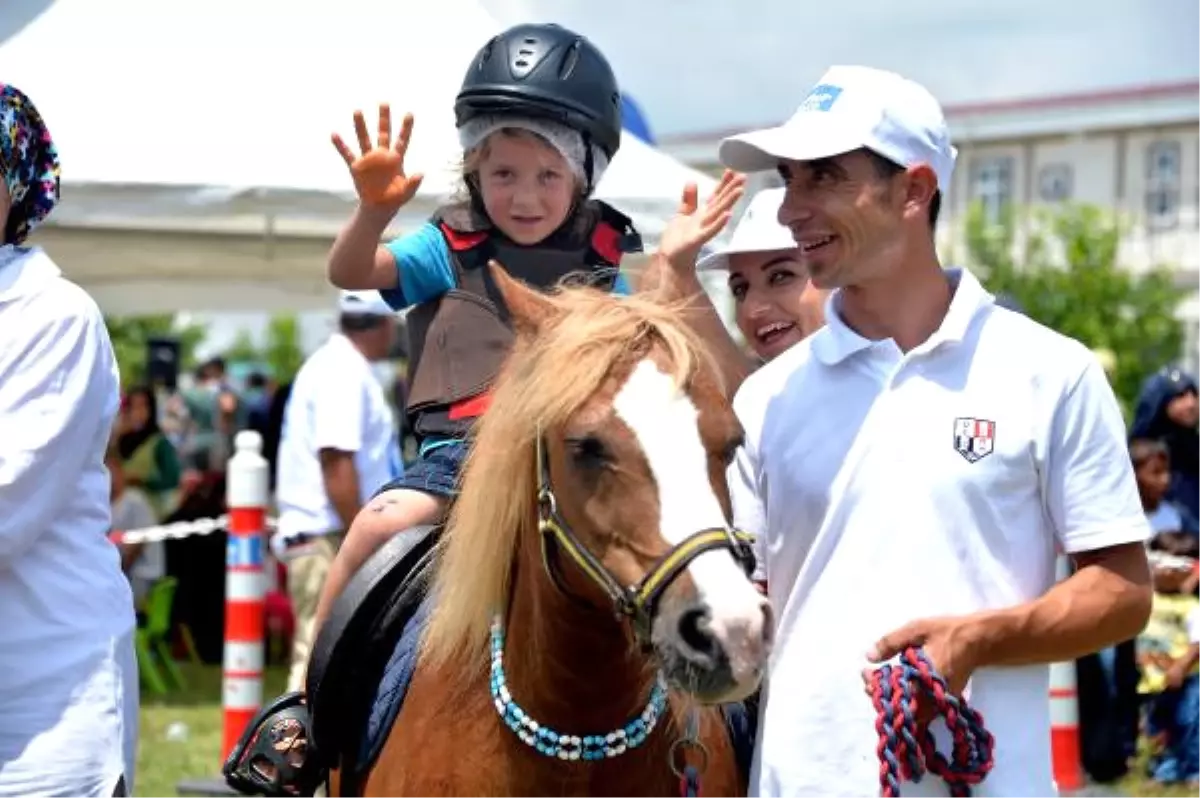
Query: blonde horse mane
point(546, 379)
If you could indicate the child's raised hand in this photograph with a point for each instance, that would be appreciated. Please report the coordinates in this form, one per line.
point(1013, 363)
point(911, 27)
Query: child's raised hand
point(378, 173)
point(693, 226)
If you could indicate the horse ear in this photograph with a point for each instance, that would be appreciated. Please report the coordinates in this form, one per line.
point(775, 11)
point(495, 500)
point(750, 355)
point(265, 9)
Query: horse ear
point(528, 308)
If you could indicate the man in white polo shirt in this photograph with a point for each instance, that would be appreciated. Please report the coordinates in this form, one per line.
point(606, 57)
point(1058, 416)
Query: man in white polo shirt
point(338, 446)
point(913, 467)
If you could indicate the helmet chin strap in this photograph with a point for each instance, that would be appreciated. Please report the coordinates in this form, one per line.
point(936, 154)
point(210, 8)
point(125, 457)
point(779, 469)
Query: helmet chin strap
point(589, 163)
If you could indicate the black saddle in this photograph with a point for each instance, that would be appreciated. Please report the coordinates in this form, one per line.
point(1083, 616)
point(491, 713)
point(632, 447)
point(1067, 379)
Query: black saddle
point(353, 647)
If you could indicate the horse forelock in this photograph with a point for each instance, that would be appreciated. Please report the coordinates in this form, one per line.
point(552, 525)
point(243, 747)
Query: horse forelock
point(545, 381)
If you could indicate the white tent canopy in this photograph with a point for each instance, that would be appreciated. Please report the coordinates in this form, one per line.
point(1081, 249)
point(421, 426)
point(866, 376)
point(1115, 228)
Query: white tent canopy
point(197, 167)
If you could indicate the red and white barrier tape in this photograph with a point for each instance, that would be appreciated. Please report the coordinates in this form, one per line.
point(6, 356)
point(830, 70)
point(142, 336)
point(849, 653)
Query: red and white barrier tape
point(179, 529)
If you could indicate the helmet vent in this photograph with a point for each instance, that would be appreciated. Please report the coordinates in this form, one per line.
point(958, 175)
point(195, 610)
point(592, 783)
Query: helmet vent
point(486, 53)
point(570, 60)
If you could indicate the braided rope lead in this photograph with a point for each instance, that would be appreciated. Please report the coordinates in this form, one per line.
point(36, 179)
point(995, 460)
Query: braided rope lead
point(907, 752)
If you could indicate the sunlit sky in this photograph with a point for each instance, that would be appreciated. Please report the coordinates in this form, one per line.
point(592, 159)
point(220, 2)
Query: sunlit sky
point(697, 65)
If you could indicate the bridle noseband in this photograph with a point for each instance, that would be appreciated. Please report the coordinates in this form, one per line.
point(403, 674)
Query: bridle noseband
point(638, 603)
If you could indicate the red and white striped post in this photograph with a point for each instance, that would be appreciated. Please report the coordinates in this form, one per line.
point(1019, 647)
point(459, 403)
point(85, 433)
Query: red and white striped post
point(1065, 747)
point(247, 489)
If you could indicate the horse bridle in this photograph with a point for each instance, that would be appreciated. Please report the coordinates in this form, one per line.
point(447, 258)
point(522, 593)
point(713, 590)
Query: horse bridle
point(638, 603)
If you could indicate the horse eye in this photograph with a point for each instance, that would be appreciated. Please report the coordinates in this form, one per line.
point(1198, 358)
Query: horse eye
point(588, 451)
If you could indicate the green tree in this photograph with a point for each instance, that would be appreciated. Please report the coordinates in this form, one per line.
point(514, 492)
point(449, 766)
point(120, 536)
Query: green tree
point(1064, 270)
point(243, 348)
point(130, 334)
point(283, 351)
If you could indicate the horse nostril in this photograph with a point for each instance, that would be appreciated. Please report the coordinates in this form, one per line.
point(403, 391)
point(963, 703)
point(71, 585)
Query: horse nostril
point(695, 632)
point(768, 624)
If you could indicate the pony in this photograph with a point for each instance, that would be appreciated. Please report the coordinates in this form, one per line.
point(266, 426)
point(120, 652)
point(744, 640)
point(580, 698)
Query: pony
point(599, 465)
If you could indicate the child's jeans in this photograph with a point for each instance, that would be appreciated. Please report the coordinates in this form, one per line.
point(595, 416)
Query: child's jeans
point(1177, 714)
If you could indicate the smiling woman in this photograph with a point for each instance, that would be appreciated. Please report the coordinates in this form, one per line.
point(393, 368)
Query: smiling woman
point(775, 304)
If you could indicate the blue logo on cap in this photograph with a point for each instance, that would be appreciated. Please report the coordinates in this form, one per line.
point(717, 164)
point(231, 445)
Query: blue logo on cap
point(821, 98)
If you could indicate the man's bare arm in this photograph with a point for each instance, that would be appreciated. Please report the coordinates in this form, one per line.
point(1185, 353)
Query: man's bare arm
point(341, 483)
point(1106, 601)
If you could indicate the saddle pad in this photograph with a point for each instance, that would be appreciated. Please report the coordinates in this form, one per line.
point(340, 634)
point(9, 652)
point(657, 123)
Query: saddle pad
point(393, 687)
point(353, 647)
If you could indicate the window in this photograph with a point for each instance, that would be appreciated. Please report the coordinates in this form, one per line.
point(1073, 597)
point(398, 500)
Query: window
point(991, 185)
point(1191, 346)
point(1055, 182)
point(1163, 173)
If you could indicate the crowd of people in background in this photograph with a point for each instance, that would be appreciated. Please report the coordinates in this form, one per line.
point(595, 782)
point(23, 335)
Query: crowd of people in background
point(168, 458)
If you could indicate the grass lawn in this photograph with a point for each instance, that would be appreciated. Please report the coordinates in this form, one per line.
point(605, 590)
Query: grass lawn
point(164, 762)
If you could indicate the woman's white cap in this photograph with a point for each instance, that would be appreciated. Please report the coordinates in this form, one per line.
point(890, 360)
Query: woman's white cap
point(758, 230)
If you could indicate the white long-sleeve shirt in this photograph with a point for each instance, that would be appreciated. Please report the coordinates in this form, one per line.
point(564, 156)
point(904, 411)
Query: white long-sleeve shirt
point(68, 677)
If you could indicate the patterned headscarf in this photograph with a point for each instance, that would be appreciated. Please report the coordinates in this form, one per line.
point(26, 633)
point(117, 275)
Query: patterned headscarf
point(28, 163)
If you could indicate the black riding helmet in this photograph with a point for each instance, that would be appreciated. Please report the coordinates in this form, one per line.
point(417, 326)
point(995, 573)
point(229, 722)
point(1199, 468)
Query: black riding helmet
point(545, 71)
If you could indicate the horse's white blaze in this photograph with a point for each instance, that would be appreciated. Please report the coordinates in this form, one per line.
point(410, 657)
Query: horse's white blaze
point(666, 424)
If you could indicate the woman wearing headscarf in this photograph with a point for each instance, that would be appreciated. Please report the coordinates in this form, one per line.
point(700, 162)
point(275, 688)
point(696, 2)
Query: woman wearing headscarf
point(148, 459)
point(1168, 410)
point(68, 676)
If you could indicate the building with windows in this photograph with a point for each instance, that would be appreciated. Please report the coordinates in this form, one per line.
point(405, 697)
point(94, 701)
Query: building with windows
point(1135, 150)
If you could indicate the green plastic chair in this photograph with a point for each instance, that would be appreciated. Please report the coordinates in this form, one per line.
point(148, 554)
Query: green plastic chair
point(153, 650)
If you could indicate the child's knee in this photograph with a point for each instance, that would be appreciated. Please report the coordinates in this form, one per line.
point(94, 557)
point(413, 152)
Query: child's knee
point(394, 511)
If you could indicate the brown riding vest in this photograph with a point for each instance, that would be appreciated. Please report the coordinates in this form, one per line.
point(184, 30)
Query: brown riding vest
point(458, 341)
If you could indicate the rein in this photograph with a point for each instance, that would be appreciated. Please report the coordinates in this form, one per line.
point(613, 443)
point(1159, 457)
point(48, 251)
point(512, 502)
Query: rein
point(904, 752)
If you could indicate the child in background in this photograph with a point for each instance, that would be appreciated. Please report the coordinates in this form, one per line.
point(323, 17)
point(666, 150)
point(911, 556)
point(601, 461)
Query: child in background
point(1173, 528)
point(143, 563)
point(1168, 653)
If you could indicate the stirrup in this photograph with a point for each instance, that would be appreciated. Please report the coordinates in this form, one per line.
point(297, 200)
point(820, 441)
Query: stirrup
point(274, 756)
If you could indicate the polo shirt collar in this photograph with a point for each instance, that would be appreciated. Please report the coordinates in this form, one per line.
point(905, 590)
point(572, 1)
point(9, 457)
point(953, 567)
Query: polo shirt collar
point(835, 342)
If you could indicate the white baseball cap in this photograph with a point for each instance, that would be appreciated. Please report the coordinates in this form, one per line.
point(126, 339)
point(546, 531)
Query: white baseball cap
point(365, 303)
point(758, 230)
point(853, 107)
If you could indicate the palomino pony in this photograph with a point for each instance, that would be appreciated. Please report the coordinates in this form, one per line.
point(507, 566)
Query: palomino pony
point(599, 465)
